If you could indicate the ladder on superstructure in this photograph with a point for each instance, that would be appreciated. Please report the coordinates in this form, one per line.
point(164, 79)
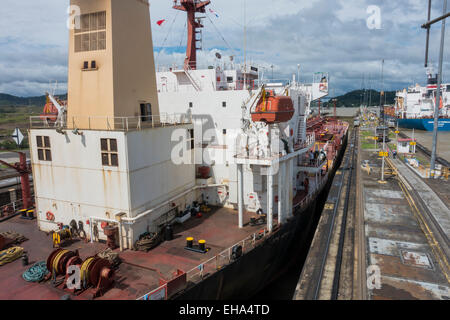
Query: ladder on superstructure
point(190, 75)
point(301, 134)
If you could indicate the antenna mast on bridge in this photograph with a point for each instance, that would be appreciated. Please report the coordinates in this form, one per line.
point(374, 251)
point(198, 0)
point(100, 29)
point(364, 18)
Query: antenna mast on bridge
point(192, 7)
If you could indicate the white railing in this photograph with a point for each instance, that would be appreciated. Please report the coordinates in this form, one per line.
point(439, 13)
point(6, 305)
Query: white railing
point(159, 293)
point(224, 258)
point(282, 82)
point(215, 263)
point(113, 123)
point(309, 142)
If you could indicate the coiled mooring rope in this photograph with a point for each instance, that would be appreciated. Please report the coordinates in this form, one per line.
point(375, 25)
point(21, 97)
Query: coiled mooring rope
point(10, 255)
point(36, 273)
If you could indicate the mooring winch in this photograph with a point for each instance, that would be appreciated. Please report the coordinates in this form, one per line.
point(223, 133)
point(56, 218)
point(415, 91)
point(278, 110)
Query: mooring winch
point(97, 273)
point(94, 272)
point(59, 261)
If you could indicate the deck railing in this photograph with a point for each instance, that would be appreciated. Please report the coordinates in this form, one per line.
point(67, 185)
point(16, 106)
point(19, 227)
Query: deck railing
point(307, 143)
point(112, 123)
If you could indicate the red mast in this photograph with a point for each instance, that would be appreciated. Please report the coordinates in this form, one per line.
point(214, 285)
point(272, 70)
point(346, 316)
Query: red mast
point(191, 7)
point(24, 170)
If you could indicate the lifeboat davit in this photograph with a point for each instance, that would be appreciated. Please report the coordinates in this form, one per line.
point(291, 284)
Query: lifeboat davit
point(273, 109)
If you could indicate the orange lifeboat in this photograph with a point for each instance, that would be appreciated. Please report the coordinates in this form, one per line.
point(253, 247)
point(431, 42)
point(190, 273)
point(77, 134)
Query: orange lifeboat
point(50, 112)
point(273, 109)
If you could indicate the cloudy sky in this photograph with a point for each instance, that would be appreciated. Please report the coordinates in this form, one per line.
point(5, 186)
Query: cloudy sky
point(336, 36)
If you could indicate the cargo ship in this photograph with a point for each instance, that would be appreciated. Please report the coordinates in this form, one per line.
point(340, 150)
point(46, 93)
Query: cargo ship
point(207, 183)
point(414, 107)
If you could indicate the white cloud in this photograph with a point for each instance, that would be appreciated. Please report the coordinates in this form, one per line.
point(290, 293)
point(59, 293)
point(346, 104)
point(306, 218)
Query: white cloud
point(320, 35)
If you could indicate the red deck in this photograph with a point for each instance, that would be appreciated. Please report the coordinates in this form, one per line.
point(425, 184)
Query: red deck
point(139, 272)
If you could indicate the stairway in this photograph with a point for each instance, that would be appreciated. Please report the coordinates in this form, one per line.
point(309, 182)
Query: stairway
point(301, 134)
point(191, 77)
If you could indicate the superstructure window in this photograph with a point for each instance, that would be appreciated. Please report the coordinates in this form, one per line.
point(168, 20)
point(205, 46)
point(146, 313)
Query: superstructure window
point(110, 156)
point(91, 35)
point(44, 148)
point(224, 104)
point(230, 79)
point(191, 105)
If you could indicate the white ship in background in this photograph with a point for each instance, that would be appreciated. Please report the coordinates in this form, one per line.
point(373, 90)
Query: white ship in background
point(414, 107)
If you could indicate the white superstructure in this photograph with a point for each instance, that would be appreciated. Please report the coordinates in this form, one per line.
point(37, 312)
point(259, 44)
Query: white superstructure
point(235, 148)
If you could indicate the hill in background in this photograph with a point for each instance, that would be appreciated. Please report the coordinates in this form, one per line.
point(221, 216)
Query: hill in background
point(354, 98)
point(10, 100)
point(350, 99)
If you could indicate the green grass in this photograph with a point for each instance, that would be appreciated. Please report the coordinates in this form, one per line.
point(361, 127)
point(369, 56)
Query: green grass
point(367, 146)
point(14, 118)
point(11, 115)
point(366, 133)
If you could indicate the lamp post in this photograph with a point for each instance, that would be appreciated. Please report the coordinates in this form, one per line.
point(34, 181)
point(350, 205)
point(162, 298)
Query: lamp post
point(438, 95)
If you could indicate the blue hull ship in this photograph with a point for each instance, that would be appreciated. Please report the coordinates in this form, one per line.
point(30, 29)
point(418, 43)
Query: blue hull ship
point(424, 124)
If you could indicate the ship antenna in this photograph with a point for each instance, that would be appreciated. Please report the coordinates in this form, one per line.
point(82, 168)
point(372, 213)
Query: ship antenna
point(245, 44)
point(192, 7)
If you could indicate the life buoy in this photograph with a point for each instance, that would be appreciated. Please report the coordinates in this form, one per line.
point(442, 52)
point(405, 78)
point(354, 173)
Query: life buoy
point(104, 225)
point(8, 210)
point(50, 216)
